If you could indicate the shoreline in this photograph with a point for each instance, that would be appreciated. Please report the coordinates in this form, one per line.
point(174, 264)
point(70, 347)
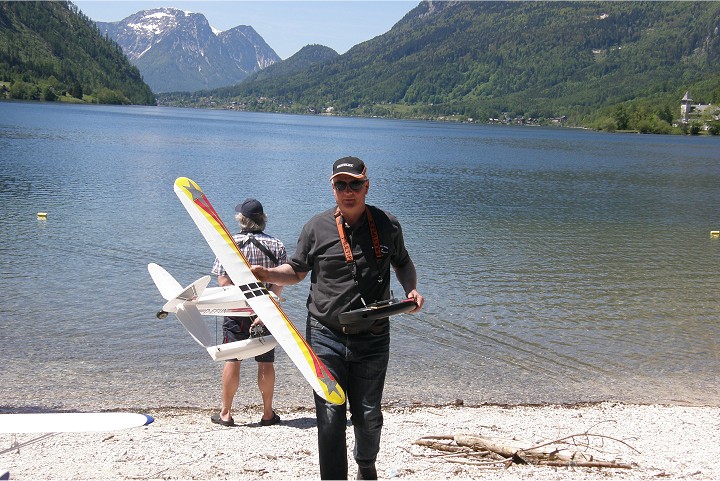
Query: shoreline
point(657, 441)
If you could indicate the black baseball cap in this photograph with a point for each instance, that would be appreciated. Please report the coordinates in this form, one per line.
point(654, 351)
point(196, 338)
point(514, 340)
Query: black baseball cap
point(250, 208)
point(351, 166)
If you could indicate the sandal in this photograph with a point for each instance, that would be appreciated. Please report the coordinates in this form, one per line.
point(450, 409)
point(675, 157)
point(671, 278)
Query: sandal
point(215, 418)
point(269, 422)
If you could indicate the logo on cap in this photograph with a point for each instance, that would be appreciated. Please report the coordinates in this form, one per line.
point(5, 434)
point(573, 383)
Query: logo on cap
point(351, 166)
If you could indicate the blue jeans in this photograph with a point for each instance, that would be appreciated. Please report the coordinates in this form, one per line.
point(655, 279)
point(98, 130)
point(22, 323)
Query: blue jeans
point(359, 363)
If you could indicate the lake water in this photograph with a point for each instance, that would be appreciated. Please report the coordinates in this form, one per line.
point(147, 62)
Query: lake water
point(558, 265)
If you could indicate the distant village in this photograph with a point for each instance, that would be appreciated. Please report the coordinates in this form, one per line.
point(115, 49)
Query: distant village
point(695, 117)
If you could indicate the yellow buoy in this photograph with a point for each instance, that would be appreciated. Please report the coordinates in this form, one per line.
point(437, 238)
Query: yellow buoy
point(715, 233)
point(42, 215)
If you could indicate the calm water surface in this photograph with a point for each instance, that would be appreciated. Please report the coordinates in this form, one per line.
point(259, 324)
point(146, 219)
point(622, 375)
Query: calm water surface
point(558, 265)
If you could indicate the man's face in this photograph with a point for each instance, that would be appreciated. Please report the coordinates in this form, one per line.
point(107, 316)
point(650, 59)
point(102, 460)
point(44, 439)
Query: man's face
point(350, 192)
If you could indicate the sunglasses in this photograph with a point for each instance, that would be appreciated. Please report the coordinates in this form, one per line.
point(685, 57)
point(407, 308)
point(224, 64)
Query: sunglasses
point(354, 185)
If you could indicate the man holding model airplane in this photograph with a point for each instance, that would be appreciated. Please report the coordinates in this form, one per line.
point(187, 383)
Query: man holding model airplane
point(263, 249)
point(350, 250)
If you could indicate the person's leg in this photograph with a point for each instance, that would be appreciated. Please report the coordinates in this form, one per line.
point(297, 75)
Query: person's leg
point(266, 383)
point(230, 384)
point(332, 447)
point(331, 418)
point(369, 355)
point(234, 329)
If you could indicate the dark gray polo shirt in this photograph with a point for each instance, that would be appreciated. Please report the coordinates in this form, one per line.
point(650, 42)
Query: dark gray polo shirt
point(332, 288)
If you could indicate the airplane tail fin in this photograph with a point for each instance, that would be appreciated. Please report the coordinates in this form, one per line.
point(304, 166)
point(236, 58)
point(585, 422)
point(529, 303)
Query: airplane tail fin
point(188, 295)
point(172, 291)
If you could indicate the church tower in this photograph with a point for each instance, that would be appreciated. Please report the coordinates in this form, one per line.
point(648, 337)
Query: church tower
point(685, 107)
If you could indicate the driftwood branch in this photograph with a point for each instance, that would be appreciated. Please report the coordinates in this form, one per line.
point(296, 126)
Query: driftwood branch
point(441, 446)
point(507, 452)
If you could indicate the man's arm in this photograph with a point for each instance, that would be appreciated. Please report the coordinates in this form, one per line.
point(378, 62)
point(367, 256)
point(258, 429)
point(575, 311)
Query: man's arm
point(224, 280)
point(283, 275)
point(407, 276)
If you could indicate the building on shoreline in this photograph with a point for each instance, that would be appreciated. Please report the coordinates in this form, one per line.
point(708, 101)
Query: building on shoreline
point(702, 112)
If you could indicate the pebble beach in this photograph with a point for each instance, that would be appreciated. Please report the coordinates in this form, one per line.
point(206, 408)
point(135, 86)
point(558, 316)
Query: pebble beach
point(655, 441)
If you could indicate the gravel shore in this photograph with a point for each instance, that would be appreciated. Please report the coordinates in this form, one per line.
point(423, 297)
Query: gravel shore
point(657, 441)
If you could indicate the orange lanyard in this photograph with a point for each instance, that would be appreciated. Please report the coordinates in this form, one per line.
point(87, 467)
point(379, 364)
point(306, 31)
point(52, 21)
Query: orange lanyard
point(340, 221)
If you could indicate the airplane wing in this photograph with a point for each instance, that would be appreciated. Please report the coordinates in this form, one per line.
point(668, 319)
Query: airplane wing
point(266, 307)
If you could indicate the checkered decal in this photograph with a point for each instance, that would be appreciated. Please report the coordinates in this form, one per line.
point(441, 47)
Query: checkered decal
point(254, 289)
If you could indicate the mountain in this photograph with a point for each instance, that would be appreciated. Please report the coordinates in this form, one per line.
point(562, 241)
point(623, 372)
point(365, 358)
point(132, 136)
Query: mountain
point(179, 51)
point(305, 58)
point(51, 51)
point(529, 59)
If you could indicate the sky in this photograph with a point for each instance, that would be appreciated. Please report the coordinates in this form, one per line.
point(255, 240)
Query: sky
point(285, 25)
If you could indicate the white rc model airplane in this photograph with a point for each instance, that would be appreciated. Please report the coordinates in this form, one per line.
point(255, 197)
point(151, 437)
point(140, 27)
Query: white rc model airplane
point(247, 295)
point(196, 300)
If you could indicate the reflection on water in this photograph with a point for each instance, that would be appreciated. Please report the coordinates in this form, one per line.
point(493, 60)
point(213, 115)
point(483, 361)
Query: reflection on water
point(558, 266)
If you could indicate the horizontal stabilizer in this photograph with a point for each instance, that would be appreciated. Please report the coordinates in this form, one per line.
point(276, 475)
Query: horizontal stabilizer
point(191, 319)
point(171, 289)
point(190, 294)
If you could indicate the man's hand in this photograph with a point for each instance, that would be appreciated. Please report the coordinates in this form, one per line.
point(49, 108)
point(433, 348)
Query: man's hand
point(418, 298)
point(260, 272)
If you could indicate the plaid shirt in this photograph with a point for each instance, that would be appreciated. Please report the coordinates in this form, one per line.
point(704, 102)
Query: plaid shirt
point(254, 255)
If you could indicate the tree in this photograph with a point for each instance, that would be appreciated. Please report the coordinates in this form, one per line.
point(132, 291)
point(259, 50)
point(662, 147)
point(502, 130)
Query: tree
point(49, 94)
point(24, 91)
point(75, 89)
point(714, 127)
point(666, 115)
point(621, 116)
point(111, 97)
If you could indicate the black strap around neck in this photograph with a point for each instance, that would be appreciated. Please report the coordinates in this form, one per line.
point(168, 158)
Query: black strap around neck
point(251, 238)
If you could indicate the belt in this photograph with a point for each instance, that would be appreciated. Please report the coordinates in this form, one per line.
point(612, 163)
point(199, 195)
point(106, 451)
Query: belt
point(372, 329)
point(355, 330)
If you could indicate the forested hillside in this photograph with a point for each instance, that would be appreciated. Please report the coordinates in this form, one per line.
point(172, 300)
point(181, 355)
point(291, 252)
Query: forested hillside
point(530, 60)
point(51, 51)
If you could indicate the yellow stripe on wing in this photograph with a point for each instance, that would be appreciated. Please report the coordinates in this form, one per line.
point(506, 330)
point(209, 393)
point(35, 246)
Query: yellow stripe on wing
point(203, 205)
point(333, 391)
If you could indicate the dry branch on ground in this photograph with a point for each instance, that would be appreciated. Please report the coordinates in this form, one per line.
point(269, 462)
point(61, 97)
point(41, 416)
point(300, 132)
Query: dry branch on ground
point(575, 450)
